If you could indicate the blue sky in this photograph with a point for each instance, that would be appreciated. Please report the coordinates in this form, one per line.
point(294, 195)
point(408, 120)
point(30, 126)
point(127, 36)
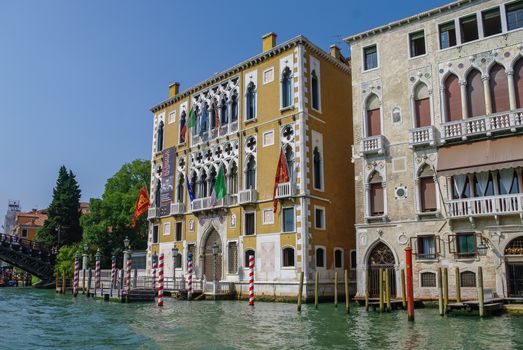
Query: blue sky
point(77, 78)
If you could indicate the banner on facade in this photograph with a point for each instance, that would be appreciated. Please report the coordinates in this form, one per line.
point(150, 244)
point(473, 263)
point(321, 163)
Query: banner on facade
point(167, 188)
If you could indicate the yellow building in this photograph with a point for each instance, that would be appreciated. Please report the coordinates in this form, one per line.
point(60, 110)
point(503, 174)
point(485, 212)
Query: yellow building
point(27, 224)
point(292, 98)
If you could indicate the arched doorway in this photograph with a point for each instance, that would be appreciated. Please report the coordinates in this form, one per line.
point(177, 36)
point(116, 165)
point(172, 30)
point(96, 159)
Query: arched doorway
point(209, 263)
point(514, 259)
point(381, 257)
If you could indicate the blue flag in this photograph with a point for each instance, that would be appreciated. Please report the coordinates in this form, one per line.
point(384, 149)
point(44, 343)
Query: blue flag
point(189, 189)
point(203, 121)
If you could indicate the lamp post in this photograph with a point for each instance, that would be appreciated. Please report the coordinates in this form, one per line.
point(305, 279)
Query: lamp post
point(215, 254)
point(84, 265)
point(175, 255)
point(125, 252)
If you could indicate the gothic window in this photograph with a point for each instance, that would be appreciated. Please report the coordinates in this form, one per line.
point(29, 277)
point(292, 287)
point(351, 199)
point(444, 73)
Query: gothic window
point(233, 179)
point(518, 82)
point(453, 98)
point(475, 94)
point(234, 108)
point(373, 116)
point(212, 180)
point(288, 257)
point(224, 112)
point(251, 101)
point(179, 189)
point(317, 169)
point(195, 129)
point(427, 190)
point(183, 128)
point(286, 90)
point(203, 185)
point(376, 197)
point(499, 89)
point(159, 137)
point(422, 106)
point(315, 90)
point(250, 178)
point(193, 185)
point(157, 194)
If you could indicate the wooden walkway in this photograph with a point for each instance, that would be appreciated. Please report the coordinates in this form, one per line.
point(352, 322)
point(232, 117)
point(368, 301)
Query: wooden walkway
point(491, 306)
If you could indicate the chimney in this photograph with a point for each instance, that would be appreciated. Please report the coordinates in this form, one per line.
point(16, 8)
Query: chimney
point(336, 52)
point(268, 41)
point(174, 89)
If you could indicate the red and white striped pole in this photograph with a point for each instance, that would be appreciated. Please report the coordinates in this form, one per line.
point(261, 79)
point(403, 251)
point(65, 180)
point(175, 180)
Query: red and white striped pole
point(113, 271)
point(160, 282)
point(97, 270)
point(189, 277)
point(251, 280)
point(76, 274)
point(128, 275)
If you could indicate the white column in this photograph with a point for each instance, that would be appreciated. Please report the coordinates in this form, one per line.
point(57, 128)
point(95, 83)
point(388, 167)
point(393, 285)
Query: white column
point(486, 91)
point(511, 88)
point(418, 195)
point(443, 101)
point(464, 105)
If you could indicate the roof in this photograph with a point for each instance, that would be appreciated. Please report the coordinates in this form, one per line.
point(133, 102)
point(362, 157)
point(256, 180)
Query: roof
point(300, 39)
point(445, 8)
point(31, 218)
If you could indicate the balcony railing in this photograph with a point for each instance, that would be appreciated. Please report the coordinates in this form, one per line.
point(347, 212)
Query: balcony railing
point(231, 200)
point(177, 208)
point(248, 196)
point(285, 190)
point(153, 213)
point(486, 206)
point(206, 203)
point(422, 136)
point(215, 133)
point(373, 144)
point(482, 126)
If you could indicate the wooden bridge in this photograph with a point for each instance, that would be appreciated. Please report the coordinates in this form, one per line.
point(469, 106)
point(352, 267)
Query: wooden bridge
point(29, 256)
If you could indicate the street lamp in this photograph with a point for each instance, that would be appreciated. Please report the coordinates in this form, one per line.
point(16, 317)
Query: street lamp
point(126, 243)
point(125, 253)
point(98, 255)
point(482, 248)
point(215, 254)
point(175, 255)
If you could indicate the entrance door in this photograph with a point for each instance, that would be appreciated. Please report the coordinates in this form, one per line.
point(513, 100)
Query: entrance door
point(381, 257)
point(212, 263)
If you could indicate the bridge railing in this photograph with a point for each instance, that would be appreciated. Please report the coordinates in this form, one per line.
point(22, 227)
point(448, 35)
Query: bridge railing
point(27, 247)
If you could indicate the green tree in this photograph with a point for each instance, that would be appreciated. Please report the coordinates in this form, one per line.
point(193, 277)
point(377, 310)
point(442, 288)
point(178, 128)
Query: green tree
point(64, 212)
point(65, 260)
point(109, 219)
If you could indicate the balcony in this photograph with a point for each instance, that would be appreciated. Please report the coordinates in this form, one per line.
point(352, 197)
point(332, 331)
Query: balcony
point(505, 122)
point(423, 136)
point(486, 206)
point(248, 197)
point(285, 190)
point(215, 133)
point(153, 213)
point(373, 145)
point(231, 200)
point(177, 208)
point(202, 204)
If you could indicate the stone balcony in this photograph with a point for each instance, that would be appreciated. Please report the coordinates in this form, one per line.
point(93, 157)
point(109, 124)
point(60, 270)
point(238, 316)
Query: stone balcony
point(153, 213)
point(285, 190)
point(486, 206)
point(215, 133)
point(499, 123)
point(248, 197)
point(177, 208)
point(206, 203)
point(372, 145)
point(424, 136)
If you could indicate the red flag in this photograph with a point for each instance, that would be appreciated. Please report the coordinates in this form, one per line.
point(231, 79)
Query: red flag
point(282, 175)
point(183, 132)
point(142, 204)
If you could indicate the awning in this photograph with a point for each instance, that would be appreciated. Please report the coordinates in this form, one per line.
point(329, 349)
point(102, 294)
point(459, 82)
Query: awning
point(481, 156)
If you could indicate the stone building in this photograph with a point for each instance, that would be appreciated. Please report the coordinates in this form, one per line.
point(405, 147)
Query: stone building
point(438, 149)
point(293, 99)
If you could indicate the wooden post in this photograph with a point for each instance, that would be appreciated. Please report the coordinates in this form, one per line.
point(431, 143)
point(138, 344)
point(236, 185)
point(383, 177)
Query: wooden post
point(89, 278)
point(316, 281)
point(367, 283)
point(481, 295)
point(56, 283)
point(458, 286)
point(410, 286)
point(440, 292)
point(300, 291)
point(83, 281)
point(445, 289)
point(336, 289)
point(63, 283)
point(403, 292)
point(382, 307)
point(387, 290)
point(347, 297)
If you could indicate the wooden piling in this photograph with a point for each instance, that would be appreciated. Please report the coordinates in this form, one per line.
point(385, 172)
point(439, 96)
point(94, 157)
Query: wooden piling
point(440, 292)
point(316, 283)
point(445, 289)
point(63, 283)
point(382, 307)
point(387, 290)
point(83, 281)
point(481, 295)
point(367, 283)
point(336, 289)
point(347, 297)
point(403, 292)
point(458, 286)
point(56, 282)
point(300, 291)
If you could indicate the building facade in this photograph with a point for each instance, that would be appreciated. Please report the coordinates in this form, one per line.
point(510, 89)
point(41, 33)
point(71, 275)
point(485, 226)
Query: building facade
point(28, 223)
point(292, 99)
point(438, 150)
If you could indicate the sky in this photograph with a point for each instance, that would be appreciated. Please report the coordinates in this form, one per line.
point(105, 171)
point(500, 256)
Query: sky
point(77, 78)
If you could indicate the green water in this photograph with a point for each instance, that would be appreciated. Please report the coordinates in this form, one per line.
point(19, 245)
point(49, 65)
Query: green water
point(41, 319)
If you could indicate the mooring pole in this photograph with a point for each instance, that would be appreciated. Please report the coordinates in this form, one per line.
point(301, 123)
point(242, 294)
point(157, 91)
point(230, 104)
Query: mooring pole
point(458, 286)
point(481, 295)
point(367, 283)
point(387, 290)
point(403, 292)
point(440, 292)
point(347, 297)
point(316, 290)
point(445, 289)
point(410, 287)
point(63, 283)
point(56, 282)
point(382, 305)
point(300, 291)
point(336, 289)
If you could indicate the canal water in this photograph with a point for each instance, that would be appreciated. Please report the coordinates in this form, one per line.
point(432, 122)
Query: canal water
point(42, 319)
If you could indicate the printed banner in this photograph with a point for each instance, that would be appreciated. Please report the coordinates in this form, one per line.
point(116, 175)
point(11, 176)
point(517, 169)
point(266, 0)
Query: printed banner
point(167, 189)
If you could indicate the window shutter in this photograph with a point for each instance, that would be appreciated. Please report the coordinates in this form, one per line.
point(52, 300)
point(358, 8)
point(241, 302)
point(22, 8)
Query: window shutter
point(428, 194)
point(475, 94)
point(422, 112)
point(518, 82)
point(452, 244)
point(373, 122)
point(376, 195)
point(499, 89)
point(453, 96)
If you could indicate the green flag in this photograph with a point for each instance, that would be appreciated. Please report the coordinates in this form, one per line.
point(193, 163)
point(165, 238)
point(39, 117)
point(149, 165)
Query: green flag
point(192, 119)
point(219, 186)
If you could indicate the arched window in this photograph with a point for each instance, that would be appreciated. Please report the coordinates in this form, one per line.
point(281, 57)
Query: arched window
point(157, 194)
point(475, 94)
point(179, 189)
point(288, 257)
point(315, 91)
point(499, 89)
point(194, 181)
point(212, 179)
point(250, 178)
point(427, 190)
point(248, 253)
point(373, 116)
point(422, 106)
point(203, 185)
point(453, 98)
point(204, 119)
point(234, 108)
point(251, 101)
point(159, 137)
point(224, 112)
point(468, 279)
point(183, 128)
point(195, 129)
point(338, 258)
point(376, 199)
point(289, 156)
point(233, 179)
point(518, 82)
point(320, 257)
point(428, 279)
point(286, 95)
point(317, 169)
